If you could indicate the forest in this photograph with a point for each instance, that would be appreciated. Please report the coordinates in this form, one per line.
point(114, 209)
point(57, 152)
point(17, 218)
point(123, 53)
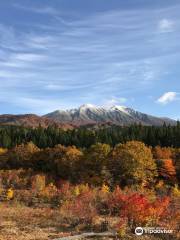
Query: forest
point(130, 163)
point(84, 137)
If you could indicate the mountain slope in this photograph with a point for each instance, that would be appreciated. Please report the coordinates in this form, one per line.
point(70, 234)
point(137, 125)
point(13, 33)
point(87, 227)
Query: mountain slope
point(30, 120)
point(119, 115)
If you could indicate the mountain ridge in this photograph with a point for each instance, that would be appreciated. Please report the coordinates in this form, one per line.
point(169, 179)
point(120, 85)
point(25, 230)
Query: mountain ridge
point(118, 115)
point(30, 120)
point(85, 115)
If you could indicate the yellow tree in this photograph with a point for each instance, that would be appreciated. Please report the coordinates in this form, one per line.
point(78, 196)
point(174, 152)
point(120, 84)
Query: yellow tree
point(94, 166)
point(60, 161)
point(66, 161)
point(132, 163)
point(3, 157)
point(20, 156)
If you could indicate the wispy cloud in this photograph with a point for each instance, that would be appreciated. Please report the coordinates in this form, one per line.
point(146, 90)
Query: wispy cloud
point(168, 97)
point(90, 58)
point(44, 10)
point(63, 87)
point(29, 57)
point(41, 10)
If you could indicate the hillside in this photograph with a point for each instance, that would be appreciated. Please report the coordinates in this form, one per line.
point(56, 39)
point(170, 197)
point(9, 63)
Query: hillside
point(30, 120)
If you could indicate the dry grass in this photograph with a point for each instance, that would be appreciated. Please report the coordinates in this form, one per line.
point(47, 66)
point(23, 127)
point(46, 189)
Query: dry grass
point(24, 223)
point(18, 222)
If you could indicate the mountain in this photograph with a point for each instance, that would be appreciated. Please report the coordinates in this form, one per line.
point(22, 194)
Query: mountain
point(85, 115)
point(30, 120)
point(118, 115)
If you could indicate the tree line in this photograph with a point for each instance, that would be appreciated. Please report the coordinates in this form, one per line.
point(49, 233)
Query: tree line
point(84, 137)
point(130, 163)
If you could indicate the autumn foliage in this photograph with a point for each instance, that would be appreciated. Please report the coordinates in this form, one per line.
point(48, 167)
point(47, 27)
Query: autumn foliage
point(131, 184)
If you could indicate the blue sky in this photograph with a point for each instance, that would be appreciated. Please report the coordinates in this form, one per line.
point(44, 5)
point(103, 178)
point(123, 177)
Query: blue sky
point(59, 54)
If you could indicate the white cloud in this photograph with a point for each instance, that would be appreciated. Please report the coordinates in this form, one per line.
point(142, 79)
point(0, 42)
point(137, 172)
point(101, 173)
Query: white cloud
point(167, 97)
point(166, 25)
point(29, 57)
point(114, 101)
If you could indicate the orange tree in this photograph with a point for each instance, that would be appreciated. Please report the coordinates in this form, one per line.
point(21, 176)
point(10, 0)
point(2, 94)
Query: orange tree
point(162, 152)
point(166, 170)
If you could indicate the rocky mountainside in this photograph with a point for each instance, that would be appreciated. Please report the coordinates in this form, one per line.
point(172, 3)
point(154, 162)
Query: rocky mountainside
point(118, 115)
point(85, 115)
point(30, 120)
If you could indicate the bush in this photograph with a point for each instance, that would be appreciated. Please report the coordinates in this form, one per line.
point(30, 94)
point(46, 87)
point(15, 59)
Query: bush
point(49, 194)
point(38, 183)
point(140, 211)
point(137, 208)
point(79, 209)
point(115, 201)
point(18, 179)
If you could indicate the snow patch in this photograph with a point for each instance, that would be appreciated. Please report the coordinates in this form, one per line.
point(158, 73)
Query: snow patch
point(120, 108)
point(87, 106)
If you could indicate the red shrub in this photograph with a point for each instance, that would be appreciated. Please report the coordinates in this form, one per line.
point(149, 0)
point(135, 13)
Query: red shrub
point(116, 201)
point(79, 209)
point(139, 210)
point(136, 207)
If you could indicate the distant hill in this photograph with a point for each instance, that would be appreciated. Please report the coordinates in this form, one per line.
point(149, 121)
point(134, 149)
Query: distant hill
point(31, 120)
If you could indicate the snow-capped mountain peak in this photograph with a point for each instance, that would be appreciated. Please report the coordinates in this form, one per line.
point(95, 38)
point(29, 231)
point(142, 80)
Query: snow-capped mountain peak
point(87, 106)
point(123, 109)
point(118, 115)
